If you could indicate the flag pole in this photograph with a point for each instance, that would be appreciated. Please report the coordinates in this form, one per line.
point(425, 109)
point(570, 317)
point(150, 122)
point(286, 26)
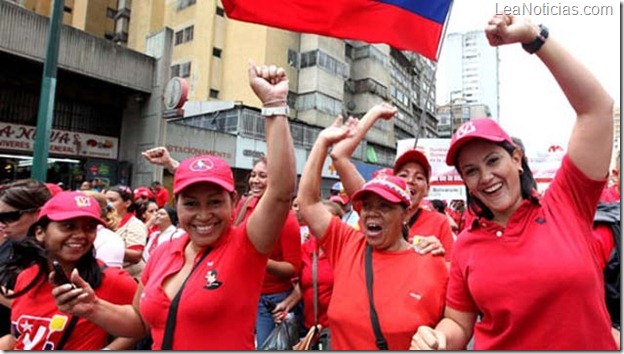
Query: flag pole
point(421, 122)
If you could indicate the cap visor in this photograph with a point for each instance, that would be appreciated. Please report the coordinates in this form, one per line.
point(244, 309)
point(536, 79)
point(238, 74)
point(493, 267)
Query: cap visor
point(72, 215)
point(181, 186)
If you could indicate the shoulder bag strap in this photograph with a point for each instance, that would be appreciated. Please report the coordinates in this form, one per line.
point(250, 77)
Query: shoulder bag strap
point(315, 283)
point(167, 343)
point(368, 267)
point(414, 217)
point(68, 331)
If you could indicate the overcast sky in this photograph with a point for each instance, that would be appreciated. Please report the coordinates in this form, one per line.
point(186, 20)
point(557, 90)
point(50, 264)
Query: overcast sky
point(532, 105)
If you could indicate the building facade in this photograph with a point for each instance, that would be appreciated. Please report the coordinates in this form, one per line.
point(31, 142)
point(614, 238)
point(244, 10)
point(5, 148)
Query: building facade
point(107, 19)
point(472, 74)
point(327, 76)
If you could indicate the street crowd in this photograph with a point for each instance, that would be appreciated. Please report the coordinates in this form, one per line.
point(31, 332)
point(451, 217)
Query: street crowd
point(375, 265)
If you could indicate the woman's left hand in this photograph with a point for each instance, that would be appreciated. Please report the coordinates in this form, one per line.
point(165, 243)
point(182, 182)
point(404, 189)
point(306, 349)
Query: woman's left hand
point(507, 29)
point(269, 83)
point(428, 244)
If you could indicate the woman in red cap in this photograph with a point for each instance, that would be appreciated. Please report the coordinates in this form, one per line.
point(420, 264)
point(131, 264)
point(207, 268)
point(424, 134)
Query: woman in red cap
point(408, 288)
point(64, 233)
point(528, 264)
point(284, 260)
point(428, 231)
point(202, 291)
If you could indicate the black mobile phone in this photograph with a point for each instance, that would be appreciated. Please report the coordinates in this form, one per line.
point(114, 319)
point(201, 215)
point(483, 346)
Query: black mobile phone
point(60, 277)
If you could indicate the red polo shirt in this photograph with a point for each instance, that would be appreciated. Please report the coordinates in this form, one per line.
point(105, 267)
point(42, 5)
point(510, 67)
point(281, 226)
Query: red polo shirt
point(211, 316)
point(537, 281)
point(432, 223)
point(409, 291)
point(162, 197)
point(287, 249)
point(325, 281)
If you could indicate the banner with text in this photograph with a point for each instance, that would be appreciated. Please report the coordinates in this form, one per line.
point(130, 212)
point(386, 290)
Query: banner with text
point(62, 142)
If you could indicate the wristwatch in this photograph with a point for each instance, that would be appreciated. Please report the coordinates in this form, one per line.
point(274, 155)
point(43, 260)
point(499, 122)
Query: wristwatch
point(275, 111)
point(538, 41)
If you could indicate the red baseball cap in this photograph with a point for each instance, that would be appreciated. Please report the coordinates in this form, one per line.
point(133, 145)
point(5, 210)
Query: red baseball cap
point(68, 205)
point(205, 168)
point(340, 199)
point(413, 156)
point(53, 188)
point(383, 172)
point(390, 188)
point(143, 192)
point(480, 128)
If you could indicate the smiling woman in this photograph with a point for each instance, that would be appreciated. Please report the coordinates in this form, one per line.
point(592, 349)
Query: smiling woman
point(64, 233)
point(234, 257)
point(401, 274)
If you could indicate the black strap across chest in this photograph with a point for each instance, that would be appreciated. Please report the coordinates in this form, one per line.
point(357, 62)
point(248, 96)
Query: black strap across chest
point(167, 343)
point(368, 267)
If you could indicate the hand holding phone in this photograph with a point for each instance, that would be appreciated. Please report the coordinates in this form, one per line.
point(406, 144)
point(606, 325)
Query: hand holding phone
point(60, 277)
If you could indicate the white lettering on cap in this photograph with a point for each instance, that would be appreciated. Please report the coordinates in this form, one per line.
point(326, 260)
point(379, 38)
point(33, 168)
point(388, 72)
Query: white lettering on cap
point(465, 129)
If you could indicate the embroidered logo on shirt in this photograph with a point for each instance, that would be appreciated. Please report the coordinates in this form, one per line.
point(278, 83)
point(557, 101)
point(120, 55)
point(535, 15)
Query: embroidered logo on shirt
point(211, 280)
point(415, 296)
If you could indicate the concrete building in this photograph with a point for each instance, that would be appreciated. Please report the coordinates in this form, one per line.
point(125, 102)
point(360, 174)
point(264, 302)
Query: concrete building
point(327, 76)
point(471, 66)
point(102, 18)
point(112, 96)
point(108, 104)
point(454, 114)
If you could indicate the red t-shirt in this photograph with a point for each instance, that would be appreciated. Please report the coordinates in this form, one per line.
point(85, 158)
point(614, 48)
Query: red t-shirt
point(537, 282)
point(432, 223)
point(325, 282)
point(162, 197)
point(38, 324)
point(408, 288)
point(217, 315)
point(288, 249)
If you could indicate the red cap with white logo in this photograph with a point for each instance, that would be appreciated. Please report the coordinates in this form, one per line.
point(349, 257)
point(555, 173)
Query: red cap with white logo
point(480, 128)
point(205, 168)
point(70, 205)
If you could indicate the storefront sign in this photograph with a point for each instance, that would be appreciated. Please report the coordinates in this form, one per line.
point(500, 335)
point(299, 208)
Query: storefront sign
point(18, 137)
point(249, 150)
point(184, 142)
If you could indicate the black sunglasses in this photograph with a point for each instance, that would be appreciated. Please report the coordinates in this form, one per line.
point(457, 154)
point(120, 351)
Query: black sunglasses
point(12, 216)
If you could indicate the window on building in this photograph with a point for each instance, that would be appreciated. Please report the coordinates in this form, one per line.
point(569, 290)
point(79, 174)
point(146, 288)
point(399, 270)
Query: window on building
point(67, 9)
point(214, 93)
point(183, 4)
point(110, 13)
point(216, 52)
point(220, 11)
point(184, 35)
point(181, 70)
point(179, 38)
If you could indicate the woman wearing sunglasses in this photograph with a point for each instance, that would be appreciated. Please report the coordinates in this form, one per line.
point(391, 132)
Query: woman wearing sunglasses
point(64, 233)
point(19, 204)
